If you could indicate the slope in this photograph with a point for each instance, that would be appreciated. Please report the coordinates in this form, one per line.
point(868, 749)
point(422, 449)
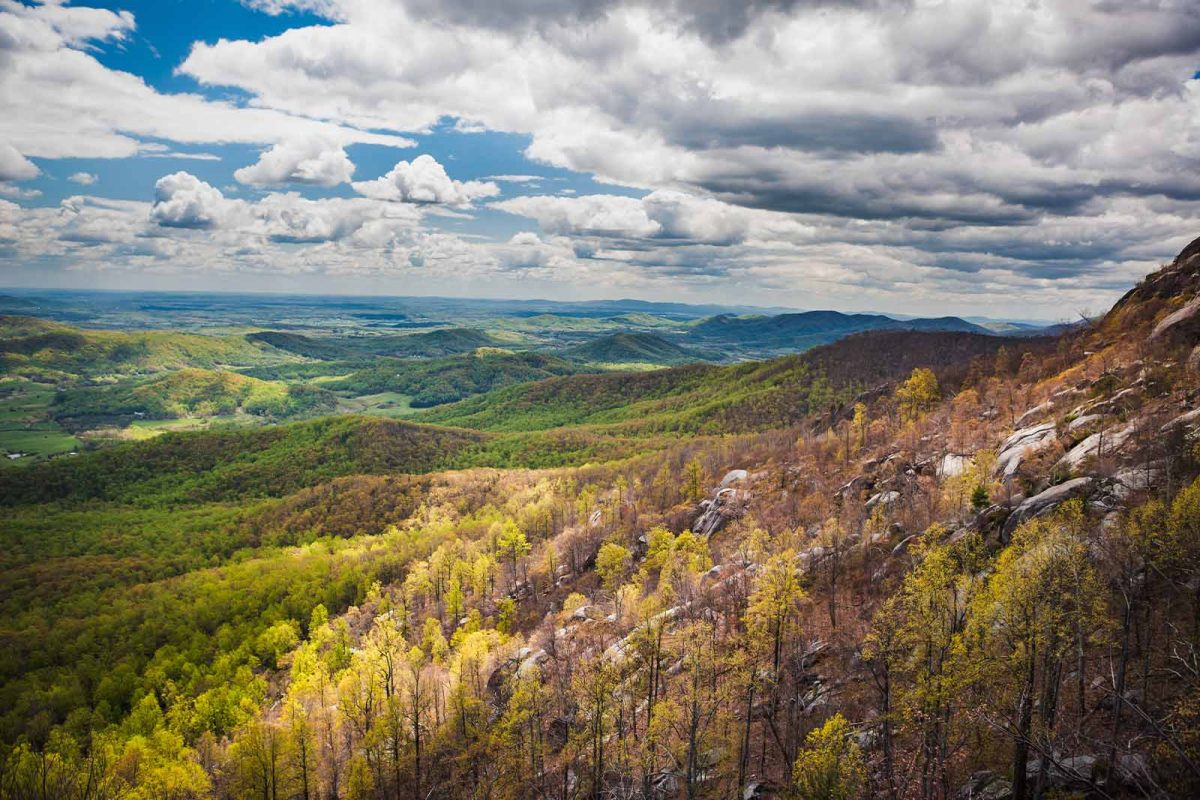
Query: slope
point(631, 349)
point(702, 398)
point(39, 349)
point(188, 392)
point(447, 379)
point(801, 331)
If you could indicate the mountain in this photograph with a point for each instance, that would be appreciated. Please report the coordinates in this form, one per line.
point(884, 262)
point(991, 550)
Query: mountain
point(40, 349)
point(434, 381)
point(801, 331)
point(224, 465)
point(631, 348)
point(758, 570)
point(186, 393)
point(442, 342)
point(706, 398)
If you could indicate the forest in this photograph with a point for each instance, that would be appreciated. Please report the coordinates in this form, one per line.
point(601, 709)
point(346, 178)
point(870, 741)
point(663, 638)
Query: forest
point(908, 564)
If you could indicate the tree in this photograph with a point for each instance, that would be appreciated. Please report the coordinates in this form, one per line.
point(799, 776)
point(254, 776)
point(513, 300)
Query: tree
point(612, 562)
point(694, 481)
point(512, 545)
point(918, 393)
point(980, 499)
point(918, 632)
point(1042, 596)
point(831, 765)
point(770, 617)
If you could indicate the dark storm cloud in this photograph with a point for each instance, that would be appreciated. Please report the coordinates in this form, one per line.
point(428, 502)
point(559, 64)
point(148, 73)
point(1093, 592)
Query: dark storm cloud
point(719, 125)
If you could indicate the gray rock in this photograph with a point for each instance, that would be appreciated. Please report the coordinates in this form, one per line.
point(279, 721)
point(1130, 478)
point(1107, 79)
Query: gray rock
point(1189, 419)
point(1045, 502)
point(1177, 318)
point(985, 785)
point(952, 465)
point(1102, 443)
point(734, 476)
point(1080, 423)
point(884, 498)
point(1036, 411)
point(1022, 443)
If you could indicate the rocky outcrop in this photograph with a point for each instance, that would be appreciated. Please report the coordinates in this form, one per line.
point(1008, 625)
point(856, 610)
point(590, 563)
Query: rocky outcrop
point(952, 465)
point(1046, 502)
point(1021, 444)
point(1104, 443)
point(726, 505)
point(1182, 319)
point(985, 785)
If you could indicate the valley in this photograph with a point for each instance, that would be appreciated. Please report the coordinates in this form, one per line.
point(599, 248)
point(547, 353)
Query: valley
point(573, 556)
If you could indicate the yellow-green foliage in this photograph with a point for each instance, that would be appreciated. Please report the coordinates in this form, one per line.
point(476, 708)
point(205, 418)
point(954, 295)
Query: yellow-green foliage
point(36, 347)
point(831, 765)
point(918, 394)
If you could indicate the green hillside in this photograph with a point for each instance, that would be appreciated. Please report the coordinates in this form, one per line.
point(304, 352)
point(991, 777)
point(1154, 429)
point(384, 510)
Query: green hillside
point(631, 348)
point(431, 344)
point(445, 380)
point(39, 349)
point(705, 398)
point(190, 393)
point(259, 462)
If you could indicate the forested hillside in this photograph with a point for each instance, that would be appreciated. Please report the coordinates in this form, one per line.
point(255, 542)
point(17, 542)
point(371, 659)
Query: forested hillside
point(924, 564)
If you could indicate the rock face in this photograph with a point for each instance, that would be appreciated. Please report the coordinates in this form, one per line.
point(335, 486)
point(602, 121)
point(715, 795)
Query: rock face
point(1079, 423)
point(734, 476)
point(985, 786)
point(1098, 444)
point(952, 465)
point(1021, 444)
point(727, 504)
point(1045, 502)
point(1176, 320)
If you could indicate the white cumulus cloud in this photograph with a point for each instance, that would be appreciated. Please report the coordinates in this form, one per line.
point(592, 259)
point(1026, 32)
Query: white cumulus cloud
point(424, 180)
point(309, 160)
point(14, 166)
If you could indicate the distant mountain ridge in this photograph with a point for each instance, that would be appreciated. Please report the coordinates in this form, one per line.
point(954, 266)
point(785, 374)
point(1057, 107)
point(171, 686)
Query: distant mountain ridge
point(807, 329)
point(631, 348)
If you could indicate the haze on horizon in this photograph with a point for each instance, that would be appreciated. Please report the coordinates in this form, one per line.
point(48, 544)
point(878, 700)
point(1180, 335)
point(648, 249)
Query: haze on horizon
point(1007, 159)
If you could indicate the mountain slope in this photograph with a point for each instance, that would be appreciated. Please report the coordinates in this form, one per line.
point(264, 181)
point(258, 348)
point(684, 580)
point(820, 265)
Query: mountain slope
point(444, 380)
point(189, 392)
point(38, 348)
point(631, 348)
point(711, 399)
point(801, 331)
point(222, 465)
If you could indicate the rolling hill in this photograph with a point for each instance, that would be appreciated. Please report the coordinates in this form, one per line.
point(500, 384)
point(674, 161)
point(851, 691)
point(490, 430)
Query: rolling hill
point(805, 330)
point(436, 381)
point(224, 465)
point(39, 349)
point(629, 349)
point(431, 344)
point(704, 398)
point(188, 392)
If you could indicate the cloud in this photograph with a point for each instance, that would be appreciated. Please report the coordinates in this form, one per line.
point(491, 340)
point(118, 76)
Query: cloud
point(184, 201)
point(83, 178)
point(14, 166)
point(102, 113)
point(859, 153)
point(424, 180)
point(666, 216)
point(515, 178)
point(310, 160)
point(181, 200)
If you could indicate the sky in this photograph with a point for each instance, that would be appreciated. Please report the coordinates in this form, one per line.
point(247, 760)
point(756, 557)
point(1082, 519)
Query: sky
point(1010, 158)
